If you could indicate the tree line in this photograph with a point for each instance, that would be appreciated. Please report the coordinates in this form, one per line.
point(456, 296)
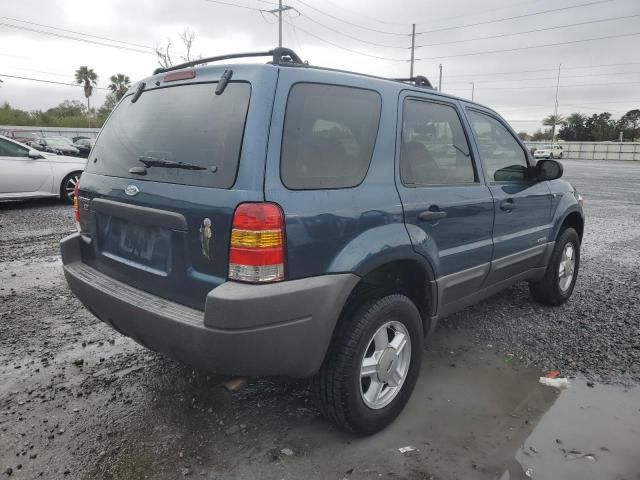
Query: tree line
point(599, 127)
point(72, 113)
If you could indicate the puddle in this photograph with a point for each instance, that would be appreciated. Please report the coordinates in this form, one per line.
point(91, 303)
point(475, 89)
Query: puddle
point(589, 432)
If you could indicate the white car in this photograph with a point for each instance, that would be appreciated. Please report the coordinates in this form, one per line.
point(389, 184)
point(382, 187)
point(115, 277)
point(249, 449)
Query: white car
point(29, 173)
point(548, 151)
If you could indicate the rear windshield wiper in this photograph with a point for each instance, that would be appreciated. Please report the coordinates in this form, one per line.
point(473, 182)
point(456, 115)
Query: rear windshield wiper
point(161, 162)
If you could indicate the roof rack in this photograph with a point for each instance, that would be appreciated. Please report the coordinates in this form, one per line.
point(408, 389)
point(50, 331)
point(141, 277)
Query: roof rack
point(418, 81)
point(286, 56)
point(279, 56)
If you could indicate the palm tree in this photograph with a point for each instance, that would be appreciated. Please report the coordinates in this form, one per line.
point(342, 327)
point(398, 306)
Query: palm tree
point(552, 121)
point(119, 85)
point(86, 76)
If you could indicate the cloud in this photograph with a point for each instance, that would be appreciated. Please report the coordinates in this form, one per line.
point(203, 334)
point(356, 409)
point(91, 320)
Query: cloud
point(523, 98)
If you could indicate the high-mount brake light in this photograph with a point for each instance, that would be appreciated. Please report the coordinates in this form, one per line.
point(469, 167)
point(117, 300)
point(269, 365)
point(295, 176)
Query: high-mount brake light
point(256, 252)
point(183, 75)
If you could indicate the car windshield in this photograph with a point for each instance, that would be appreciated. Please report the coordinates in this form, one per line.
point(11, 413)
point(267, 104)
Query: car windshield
point(19, 134)
point(57, 142)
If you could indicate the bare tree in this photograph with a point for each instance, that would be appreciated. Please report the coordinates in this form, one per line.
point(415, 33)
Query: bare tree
point(164, 56)
point(187, 36)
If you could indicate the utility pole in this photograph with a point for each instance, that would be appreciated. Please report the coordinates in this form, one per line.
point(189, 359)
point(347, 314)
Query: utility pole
point(555, 108)
point(440, 78)
point(279, 11)
point(473, 89)
point(413, 48)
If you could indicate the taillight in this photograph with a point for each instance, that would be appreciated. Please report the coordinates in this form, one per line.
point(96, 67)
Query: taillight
point(256, 252)
point(76, 204)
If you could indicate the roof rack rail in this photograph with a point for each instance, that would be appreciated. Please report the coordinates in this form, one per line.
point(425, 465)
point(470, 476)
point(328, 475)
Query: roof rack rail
point(279, 57)
point(418, 81)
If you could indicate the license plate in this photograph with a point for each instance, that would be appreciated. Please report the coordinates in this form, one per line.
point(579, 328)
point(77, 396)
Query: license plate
point(145, 245)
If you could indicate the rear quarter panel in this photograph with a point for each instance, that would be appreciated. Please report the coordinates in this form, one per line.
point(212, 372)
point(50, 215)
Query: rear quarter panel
point(340, 230)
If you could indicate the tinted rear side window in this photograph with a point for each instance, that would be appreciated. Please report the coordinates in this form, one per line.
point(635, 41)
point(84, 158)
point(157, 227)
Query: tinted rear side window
point(187, 123)
point(329, 135)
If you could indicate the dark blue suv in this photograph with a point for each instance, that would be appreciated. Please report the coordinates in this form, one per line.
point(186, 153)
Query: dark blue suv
point(285, 219)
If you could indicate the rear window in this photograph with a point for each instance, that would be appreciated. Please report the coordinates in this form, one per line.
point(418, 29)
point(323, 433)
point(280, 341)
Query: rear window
point(188, 123)
point(329, 135)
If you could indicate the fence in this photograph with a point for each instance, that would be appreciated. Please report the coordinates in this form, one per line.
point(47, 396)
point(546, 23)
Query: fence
point(596, 150)
point(51, 131)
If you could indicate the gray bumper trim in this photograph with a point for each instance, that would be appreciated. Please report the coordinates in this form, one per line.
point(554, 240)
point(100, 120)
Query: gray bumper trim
point(276, 329)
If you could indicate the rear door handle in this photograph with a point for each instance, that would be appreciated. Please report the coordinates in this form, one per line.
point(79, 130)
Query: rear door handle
point(432, 215)
point(508, 205)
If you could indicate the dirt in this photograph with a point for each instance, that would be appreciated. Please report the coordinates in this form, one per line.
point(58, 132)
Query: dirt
point(79, 401)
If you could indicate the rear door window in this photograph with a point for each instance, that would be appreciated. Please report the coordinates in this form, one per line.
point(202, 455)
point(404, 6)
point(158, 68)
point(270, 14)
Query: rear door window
point(329, 135)
point(434, 148)
point(186, 123)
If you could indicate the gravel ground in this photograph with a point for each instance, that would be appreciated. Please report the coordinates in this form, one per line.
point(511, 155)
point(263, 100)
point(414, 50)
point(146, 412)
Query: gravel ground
point(77, 400)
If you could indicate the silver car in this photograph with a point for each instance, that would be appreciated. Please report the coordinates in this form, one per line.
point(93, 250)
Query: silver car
point(548, 151)
point(29, 173)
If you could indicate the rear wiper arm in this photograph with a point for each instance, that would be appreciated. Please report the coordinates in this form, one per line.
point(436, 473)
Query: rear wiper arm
point(161, 162)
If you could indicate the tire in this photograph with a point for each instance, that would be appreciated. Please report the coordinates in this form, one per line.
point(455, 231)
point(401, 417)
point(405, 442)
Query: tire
point(347, 399)
point(554, 288)
point(69, 181)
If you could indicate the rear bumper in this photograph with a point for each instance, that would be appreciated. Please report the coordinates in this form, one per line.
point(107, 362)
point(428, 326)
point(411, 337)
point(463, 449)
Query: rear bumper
point(275, 329)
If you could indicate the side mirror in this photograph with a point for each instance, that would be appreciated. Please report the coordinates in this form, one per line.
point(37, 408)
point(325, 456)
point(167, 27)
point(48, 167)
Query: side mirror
point(34, 154)
point(548, 170)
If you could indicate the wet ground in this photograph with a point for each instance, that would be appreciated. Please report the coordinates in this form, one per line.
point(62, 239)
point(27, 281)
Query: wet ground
point(79, 401)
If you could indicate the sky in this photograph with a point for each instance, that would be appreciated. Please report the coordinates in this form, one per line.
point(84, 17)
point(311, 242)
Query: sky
point(50, 39)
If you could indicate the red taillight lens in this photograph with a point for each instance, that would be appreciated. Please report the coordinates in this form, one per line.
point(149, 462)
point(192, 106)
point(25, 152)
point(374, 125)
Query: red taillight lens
point(256, 252)
point(76, 205)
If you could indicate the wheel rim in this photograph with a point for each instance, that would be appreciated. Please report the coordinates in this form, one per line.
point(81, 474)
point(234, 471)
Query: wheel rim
point(385, 364)
point(70, 186)
point(567, 267)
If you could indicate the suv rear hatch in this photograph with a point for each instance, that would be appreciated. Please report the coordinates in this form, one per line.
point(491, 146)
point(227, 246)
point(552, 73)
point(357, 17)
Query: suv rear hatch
point(168, 169)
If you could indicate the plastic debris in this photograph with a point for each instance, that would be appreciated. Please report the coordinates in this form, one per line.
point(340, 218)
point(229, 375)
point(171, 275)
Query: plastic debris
point(559, 383)
point(235, 384)
point(407, 449)
point(553, 374)
point(529, 472)
point(287, 451)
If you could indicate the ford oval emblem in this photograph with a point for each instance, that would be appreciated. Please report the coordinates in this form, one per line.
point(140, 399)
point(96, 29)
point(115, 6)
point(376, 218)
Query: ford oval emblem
point(131, 190)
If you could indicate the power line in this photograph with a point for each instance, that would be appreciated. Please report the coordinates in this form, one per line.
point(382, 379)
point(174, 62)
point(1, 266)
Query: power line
point(235, 5)
point(552, 86)
point(544, 70)
point(531, 46)
point(84, 40)
point(384, 32)
point(541, 12)
point(343, 47)
point(360, 14)
point(339, 32)
point(537, 30)
point(77, 33)
point(47, 81)
point(552, 78)
point(55, 74)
